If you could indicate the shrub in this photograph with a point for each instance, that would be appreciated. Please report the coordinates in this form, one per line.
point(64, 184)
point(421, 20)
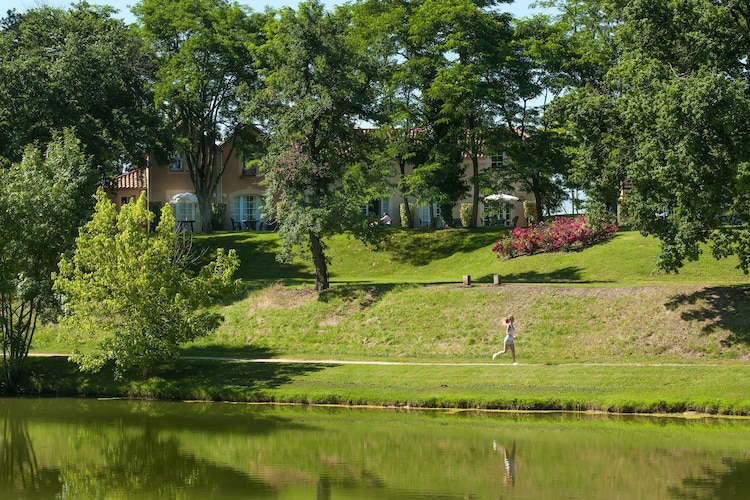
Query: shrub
point(402, 212)
point(218, 216)
point(529, 211)
point(560, 235)
point(465, 213)
point(134, 293)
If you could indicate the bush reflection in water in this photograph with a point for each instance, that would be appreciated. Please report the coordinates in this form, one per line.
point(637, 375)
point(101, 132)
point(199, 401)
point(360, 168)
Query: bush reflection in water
point(71, 448)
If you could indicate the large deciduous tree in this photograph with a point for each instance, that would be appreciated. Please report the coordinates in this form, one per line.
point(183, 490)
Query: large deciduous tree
point(132, 292)
point(676, 108)
point(381, 31)
point(43, 199)
point(317, 90)
point(549, 58)
point(79, 68)
point(204, 77)
point(440, 84)
point(466, 46)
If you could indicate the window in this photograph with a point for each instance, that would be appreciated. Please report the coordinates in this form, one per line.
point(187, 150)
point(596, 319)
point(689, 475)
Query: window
point(505, 212)
point(177, 164)
point(377, 207)
point(497, 162)
point(248, 166)
point(247, 208)
point(423, 212)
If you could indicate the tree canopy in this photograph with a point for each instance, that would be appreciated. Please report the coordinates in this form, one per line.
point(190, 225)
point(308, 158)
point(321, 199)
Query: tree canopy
point(317, 89)
point(43, 199)
point(81, 69)
point(134, 293)
point(204, 76)
point(669, 120)
point(643, 104)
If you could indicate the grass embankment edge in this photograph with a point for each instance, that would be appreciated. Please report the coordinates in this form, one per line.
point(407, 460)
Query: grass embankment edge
point(597, 329)
point(678, 390)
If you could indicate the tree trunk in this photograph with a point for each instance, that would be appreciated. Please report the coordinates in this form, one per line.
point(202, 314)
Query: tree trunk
point(319, 260)
point(409, 222)
point(536, 188)
point(17, 334)
point(204, 203)
point(473, 222)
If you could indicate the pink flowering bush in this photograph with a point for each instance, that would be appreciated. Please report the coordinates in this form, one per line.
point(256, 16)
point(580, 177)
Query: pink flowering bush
point(563, 234)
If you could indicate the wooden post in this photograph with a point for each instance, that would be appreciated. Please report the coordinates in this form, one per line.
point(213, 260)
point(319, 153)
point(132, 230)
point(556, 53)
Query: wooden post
point(496, 280)
point(467, 280)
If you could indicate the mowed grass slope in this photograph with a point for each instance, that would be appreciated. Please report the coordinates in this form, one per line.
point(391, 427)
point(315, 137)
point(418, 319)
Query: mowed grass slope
point(405, 300)
point(598, 329)
point(444, 256)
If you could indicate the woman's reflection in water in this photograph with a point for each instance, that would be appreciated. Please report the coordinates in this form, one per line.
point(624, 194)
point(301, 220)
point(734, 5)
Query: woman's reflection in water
point(510, 461)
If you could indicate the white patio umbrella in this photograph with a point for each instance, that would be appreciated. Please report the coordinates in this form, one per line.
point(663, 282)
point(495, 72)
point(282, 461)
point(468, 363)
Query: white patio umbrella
point(187, 215)
point(184, 198)
point(501, 197)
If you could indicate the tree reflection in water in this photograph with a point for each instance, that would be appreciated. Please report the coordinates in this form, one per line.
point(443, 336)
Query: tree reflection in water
point(732, 481)
point(152, 466)
point(133, 465)
point(20, 474)
point(153, 450)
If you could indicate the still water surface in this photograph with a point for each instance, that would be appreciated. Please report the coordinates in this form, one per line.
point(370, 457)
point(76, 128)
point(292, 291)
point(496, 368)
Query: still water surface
point(90, 449)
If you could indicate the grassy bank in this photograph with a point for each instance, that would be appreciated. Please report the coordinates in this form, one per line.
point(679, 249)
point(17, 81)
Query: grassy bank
point(647, 388)
point(598, 330)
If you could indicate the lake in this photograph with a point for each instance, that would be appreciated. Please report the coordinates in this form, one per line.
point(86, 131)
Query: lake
point(115, 449)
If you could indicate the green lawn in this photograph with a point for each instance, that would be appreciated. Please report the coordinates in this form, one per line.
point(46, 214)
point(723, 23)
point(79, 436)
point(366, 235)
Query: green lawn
point(445, 256)
point(598, 329)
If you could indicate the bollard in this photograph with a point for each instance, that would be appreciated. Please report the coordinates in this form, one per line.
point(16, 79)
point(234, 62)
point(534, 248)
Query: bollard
point(467, 280)
point(496, 280)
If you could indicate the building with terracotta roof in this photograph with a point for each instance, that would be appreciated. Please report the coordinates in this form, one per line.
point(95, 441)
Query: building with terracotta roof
point(242, 193)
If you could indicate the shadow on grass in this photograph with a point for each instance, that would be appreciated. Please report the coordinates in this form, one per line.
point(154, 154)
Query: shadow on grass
point(217, 378)
point(723, 307)
point(564, 275)
point(257, 254)
point(183, 379)
point(419, 247)
point(223, 351)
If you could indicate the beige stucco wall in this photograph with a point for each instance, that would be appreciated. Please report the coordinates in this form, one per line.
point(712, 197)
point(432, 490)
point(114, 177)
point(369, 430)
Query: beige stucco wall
point(164, 184)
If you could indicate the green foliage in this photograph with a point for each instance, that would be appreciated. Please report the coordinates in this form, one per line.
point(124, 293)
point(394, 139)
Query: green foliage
point(404, 216)
point(155, 208)
point(78, 68)
point(598, 216)
point(204, 76)
point(318, 88)
point(670, 120)
point(130, 293)
point(465, 213)
point(529, 211)
point(43, 200)
point(218, 215)
point(443, 74)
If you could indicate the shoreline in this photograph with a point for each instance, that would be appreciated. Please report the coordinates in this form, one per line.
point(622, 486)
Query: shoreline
point(690, 391)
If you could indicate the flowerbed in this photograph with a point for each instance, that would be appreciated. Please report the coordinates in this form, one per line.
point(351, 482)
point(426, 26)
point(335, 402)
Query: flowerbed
point(563, 234)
